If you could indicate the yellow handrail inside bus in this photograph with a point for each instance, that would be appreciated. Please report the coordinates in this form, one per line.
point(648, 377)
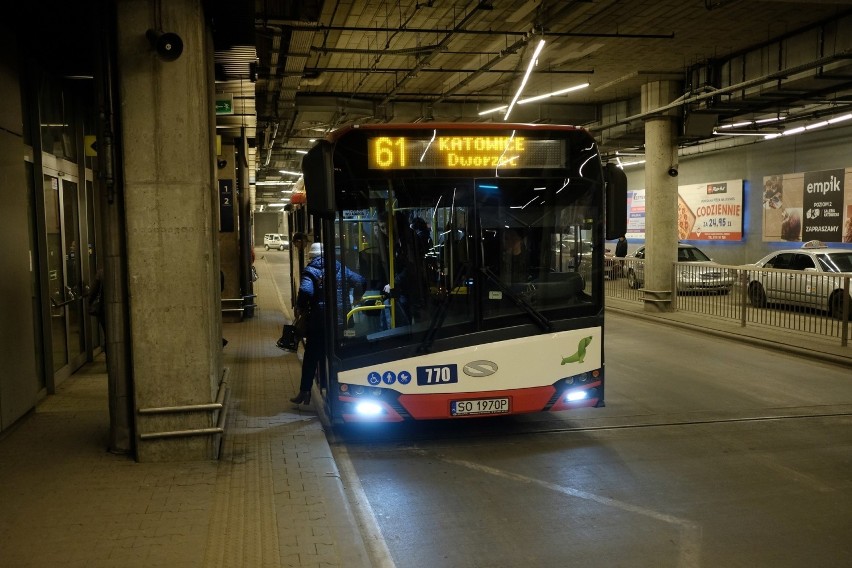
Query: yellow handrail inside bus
point(391, 252)
point(378, 304)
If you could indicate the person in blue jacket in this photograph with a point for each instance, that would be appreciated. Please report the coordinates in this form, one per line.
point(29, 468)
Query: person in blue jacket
point(311, 300)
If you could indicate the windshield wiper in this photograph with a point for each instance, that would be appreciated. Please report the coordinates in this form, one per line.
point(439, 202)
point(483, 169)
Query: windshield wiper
point(441, 312)
point(519, 300)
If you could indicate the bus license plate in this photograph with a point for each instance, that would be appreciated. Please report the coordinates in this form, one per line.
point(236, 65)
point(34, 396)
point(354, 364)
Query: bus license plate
point(479, 406)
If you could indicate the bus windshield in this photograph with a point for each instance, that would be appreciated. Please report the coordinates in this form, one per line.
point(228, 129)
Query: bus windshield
point(450, 256)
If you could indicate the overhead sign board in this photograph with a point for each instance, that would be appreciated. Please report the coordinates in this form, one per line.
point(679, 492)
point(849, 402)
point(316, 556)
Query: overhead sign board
point(463, 152)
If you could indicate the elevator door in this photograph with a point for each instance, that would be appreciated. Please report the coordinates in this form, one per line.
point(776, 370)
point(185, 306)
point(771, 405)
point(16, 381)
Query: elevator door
point(64, 273)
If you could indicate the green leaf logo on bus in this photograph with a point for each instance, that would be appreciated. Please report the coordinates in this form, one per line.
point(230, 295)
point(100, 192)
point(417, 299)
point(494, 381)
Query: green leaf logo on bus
point(581, 351)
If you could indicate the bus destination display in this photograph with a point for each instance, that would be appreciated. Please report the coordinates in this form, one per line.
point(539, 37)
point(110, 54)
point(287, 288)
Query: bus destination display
point(463, 152)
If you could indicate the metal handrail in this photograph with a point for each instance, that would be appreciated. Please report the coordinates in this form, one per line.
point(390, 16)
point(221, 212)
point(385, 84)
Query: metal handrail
point(733, 302)
point(221, 405)
point(378, 305)
point(64, 303)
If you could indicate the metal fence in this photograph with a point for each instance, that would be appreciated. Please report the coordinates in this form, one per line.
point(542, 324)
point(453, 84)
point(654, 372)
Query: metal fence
point(800, 301)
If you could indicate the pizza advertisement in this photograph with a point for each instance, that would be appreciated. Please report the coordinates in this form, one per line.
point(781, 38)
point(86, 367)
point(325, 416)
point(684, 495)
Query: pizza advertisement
point(685, 219)
point(705, 212)
point(714, 211)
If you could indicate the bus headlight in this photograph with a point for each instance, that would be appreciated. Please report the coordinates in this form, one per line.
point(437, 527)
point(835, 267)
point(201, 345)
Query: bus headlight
point(368, 408)
point(575, 395)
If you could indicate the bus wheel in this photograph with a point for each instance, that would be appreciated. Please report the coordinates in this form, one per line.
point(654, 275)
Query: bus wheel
point(756, 295)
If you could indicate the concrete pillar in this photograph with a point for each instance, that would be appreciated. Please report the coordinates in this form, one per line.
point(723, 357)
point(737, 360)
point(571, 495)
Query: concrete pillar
point(168, 149)
point(660, 196)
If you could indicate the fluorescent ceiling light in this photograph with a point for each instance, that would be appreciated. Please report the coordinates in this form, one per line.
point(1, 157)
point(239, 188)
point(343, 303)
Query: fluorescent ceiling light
point(301, 151)
point(489, 111)
point(532, 63)
point(740, 133)
point(749, 123)
point(812, 126)
point(277, 205)
point(735, 125)
point(285, 172)
point(536, 98)
point(273, 182)
point(626, 164)
point(553, 94)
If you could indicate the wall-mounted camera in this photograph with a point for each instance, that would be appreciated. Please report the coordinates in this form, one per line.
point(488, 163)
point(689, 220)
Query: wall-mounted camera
point(673, 171)
point(168, 45)
point(221, 163)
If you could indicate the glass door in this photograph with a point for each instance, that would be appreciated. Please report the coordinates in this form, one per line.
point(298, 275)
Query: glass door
point(64, 273)
point(91, 267)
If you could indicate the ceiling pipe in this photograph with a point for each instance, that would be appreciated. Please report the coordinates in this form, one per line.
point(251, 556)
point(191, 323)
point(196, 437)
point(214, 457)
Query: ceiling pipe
point(537, 31)
point(319, 70)
point(365, 51)
point(424, 62)
point(685, 100)
point(617, 35)
point(511, 50)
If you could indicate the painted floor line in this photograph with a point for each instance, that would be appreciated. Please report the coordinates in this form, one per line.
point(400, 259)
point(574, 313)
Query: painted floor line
point(373, 539)
point(690, 532)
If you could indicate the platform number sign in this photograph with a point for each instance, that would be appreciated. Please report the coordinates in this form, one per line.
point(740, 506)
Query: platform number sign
point(226, 206)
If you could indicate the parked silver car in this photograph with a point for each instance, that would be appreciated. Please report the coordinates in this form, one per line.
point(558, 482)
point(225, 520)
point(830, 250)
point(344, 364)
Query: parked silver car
point(570, 253)
point(811, 276)
point(698, 274)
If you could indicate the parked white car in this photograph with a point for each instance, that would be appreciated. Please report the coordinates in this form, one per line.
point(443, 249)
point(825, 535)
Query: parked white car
point(811, 276)
point(698, 274)
point(275, 241)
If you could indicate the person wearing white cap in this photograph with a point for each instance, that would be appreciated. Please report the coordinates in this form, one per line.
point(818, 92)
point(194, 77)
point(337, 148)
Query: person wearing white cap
point(311, 300)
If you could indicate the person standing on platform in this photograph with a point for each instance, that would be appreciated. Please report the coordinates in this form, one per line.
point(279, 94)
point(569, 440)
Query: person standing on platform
point(95, 297)
point(620, 253)
point(311, 300)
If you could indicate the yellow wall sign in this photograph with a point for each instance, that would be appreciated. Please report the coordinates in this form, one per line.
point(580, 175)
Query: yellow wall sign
point(90, 145)
point(463, 152)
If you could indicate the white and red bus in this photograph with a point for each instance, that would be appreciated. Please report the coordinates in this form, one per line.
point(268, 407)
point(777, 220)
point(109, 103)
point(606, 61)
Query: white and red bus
point(483, 250)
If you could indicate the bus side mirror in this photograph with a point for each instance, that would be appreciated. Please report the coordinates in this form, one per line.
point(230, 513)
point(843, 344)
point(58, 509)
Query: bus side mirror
point(318, 169)
point(616, 201)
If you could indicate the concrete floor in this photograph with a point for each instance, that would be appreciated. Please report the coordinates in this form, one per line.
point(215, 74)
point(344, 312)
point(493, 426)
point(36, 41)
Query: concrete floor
point(711, 452)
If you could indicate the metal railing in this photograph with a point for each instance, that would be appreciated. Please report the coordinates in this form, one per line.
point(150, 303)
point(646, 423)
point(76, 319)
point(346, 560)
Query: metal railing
point(801, 301)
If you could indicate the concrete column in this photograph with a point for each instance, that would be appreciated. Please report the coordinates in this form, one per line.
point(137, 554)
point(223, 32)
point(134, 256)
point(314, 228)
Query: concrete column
point(168, 149)
point(660, 197)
